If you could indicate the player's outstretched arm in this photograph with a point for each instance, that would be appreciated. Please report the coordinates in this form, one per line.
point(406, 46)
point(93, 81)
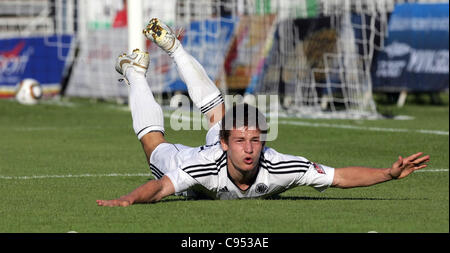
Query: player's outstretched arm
point(152, 191)
point(350, 177)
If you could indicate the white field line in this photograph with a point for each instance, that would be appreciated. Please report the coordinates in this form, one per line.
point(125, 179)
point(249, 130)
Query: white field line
point(53, 128)
point(130, 175)
point(282, 122)
point(341, 126)
point(376, 129)
point(76, 176)
point(432, 170)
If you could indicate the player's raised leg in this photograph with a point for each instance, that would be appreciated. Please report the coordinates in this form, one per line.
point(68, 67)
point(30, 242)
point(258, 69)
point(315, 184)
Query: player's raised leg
point(202, 90)
point(147, 115)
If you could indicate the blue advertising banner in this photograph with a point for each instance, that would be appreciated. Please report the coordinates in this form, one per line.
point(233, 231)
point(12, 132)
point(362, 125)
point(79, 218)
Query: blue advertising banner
point(40, 58)
point(415, 57)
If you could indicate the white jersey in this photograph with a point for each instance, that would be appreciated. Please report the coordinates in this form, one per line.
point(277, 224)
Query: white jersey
point(202, 171)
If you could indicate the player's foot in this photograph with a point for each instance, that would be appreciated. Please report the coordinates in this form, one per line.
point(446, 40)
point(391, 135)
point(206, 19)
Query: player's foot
point(162, 35)
point(138, 60)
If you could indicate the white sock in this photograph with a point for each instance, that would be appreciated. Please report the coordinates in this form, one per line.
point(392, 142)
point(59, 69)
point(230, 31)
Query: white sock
point(201, 89)
point(146, 113)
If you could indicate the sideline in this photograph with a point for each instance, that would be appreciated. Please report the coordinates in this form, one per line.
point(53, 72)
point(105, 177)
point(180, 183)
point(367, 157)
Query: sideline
point(340, 126)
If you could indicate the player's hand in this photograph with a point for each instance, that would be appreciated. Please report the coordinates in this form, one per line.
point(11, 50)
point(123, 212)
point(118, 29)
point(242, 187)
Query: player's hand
point(114, 202)
point(405, 166)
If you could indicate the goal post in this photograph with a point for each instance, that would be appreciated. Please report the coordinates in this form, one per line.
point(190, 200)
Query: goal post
point(135, 17)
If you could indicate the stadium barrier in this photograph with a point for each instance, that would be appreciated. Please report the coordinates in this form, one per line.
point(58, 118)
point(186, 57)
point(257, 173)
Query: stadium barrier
point(416, 56)
point(33, 57)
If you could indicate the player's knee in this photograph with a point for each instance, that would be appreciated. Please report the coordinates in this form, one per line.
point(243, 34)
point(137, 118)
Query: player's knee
point(150, 141)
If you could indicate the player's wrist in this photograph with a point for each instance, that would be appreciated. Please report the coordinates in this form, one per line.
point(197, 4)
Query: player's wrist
point(389, 174)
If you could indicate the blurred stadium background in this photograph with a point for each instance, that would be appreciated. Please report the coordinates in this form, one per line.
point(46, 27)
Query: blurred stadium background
point(324, 58)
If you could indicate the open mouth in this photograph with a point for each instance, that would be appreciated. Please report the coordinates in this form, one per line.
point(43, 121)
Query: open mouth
point(248, 160)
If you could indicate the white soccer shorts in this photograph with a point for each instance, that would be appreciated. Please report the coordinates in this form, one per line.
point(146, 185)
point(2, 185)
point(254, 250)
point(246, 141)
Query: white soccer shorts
point(163, 159)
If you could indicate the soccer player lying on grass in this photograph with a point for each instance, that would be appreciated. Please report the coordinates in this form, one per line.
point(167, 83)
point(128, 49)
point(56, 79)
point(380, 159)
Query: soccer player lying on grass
point(234, 163)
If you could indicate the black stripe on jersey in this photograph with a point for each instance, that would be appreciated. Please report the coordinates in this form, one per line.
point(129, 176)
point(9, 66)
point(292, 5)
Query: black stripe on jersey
point(285, 167)
point(222, 157)
point(201, 169)
point(222, 162)
point(204, 166)
point(156, 172)
point(206, 174)
point(285, 162)
point(293, 166)
point(208, 168)
point(222, 165)
point(293, 170)
point(158, 176)
point(219, 161)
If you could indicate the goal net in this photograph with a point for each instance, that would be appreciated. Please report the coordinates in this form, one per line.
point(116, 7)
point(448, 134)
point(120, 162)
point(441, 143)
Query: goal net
point(315, 55)
point(320, 57)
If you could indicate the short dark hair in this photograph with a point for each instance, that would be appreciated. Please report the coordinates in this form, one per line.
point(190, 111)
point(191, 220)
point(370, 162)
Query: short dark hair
point(243, 115)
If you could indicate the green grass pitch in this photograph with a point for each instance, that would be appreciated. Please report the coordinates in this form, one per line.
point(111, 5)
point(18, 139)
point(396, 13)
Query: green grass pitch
point(56, 159)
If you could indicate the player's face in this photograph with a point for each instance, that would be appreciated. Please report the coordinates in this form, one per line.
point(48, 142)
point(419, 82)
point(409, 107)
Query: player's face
point(244, 148)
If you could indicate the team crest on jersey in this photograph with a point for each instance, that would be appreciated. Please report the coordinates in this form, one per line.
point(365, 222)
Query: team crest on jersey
point(261, 188)
point(319, 168)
